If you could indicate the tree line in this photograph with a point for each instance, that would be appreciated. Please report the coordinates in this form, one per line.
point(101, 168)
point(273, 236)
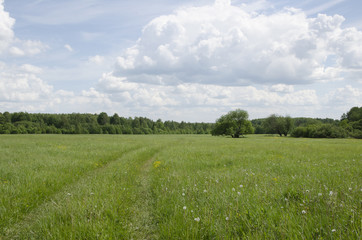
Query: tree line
point(78, 123)
point(236, 124)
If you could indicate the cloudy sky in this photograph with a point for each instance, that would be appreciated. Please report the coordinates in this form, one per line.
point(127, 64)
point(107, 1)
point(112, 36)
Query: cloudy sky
point(190, 60)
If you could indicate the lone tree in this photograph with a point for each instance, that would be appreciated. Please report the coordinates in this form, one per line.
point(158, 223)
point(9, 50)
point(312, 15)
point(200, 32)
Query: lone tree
point(278, 124)
point(235, 124)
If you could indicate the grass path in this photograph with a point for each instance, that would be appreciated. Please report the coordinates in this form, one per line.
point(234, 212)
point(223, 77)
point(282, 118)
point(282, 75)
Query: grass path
point(142, 218)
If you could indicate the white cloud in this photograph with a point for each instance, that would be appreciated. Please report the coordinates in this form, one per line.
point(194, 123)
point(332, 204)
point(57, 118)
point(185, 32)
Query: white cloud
point(282, 88)
point(11, 45)
point(20, 84)
point(235, 47)
point(68, 47)
point(6, 28)
point(96, 59)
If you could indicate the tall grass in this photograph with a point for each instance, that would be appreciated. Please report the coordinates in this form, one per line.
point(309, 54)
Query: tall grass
point(179, 187)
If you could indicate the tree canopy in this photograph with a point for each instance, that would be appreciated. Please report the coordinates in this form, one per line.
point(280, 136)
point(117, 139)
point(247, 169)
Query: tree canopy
point(278, 124)
point(235, 124)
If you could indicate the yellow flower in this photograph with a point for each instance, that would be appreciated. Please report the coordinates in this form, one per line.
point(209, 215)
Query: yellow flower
point(156, 164)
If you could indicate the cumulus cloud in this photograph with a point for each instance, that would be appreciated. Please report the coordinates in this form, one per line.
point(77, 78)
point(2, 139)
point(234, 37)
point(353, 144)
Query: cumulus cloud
point(9, 44)
point(20, 84)
point(6, 28)
point(235, 47)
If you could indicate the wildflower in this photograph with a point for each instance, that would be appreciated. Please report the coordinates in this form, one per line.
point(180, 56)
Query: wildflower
point(183, 194)
point(307, 190)
point(239, 193)
point(156, 164)
point(205, 190)
point(320, 194)
point(227, 218)
point(197, 219)
point(192, 211)
point(350, 189)
point(69, 194)
point(233, 189)
point(333, 230)
point(241, 186)
point(184, 207)
point(330, 193)
point(304, 212)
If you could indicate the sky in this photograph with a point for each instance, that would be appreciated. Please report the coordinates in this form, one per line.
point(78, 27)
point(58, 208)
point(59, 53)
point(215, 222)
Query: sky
point(189, 60)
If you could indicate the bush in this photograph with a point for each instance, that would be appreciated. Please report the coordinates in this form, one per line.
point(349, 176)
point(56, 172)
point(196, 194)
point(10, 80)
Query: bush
point(320, 131)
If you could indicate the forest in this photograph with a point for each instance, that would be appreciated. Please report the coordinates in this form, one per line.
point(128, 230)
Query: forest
point(349, 125)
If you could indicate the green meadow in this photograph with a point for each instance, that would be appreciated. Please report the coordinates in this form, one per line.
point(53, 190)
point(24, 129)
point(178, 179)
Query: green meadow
point(179, 187)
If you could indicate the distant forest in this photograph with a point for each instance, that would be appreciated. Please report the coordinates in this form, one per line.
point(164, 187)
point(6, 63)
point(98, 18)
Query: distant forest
point(350, 124)
point(78, 123)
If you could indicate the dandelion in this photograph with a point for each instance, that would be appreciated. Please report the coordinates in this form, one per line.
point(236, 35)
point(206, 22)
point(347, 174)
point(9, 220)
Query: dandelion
point(197, 219)
point(184, 207)
point(304, 212)
point(156, 164)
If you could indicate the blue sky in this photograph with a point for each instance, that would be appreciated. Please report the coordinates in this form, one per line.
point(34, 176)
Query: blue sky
point(181, 60)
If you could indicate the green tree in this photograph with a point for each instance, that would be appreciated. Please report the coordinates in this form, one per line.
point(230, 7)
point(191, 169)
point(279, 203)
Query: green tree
point(115, 119)
point(235, 123)
point(278, 124)
point(103, 118)
point(354, 114)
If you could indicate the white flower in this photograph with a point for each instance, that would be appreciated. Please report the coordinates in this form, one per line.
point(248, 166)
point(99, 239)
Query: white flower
point(184, 207)
point(197, 219)
point(241, 186)
point(227, 218)
point(333, 230)
point(320, 194)
point(307, 190)
point(330, 193)
point(350, 189)
point(192, 210)
point(183, 194)
point(233, 189)
point(205, 190)
point(239, 193)
point(304, 212)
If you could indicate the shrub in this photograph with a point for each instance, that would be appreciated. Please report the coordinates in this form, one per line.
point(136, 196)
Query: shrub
point(320, 131)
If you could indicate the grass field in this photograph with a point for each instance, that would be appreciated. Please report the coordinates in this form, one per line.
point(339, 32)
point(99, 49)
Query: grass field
point(179, 187)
